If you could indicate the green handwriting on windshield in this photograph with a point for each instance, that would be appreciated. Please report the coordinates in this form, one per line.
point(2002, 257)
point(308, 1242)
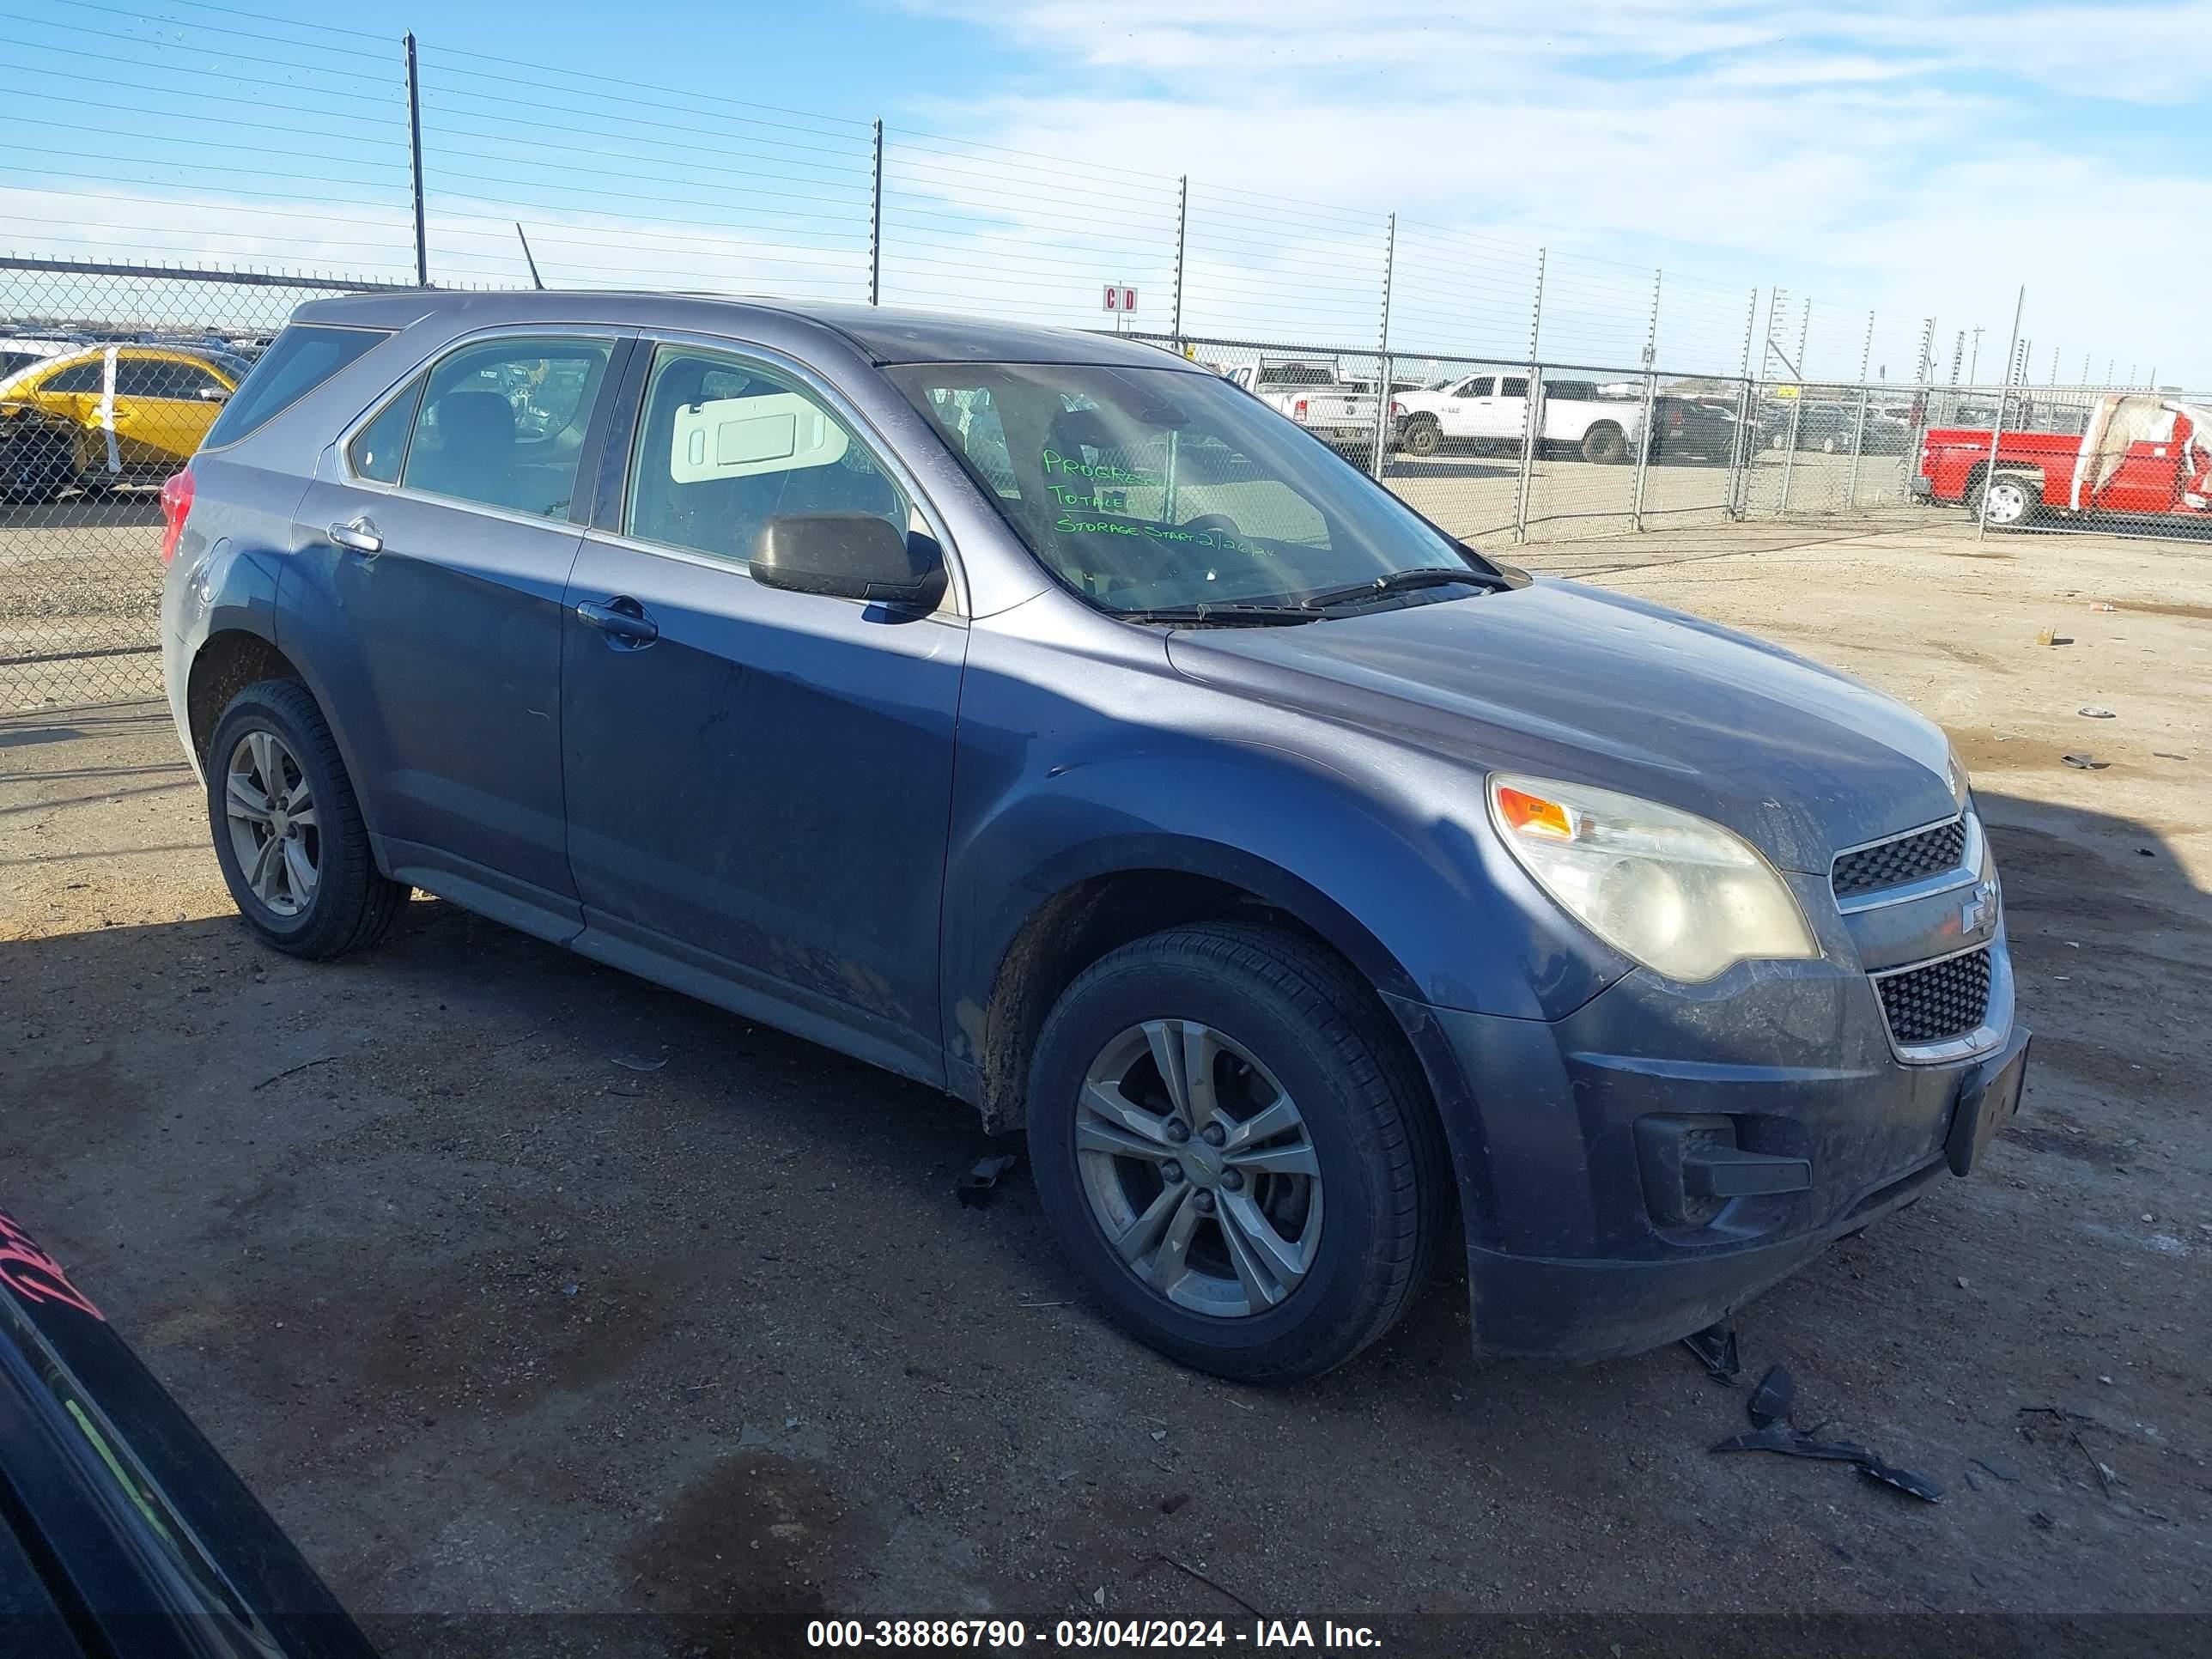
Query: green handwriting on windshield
point(1054, 461)
point(1068, 525)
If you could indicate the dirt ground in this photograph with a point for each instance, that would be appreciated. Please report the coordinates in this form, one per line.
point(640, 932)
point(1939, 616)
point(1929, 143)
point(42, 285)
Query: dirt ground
point(499, 1325)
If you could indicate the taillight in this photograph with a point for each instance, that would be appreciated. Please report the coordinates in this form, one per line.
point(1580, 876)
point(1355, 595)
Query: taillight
point(1674, 417)
point(1397, 409)
point(176, 507)
point(1298, 410)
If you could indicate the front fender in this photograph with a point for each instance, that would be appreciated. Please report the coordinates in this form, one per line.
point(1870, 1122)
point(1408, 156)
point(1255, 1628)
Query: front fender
point(1418, 903)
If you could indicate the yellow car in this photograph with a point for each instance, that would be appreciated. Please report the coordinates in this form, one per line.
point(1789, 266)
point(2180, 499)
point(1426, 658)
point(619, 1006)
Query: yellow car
point(125, 412)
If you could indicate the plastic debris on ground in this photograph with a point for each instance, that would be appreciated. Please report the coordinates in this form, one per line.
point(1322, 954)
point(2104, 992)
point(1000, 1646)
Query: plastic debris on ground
point(981, 1184)
point(1715, 1347)
point(2090, 711)
point(1769, 1409)
point(2086, 763)
point(638, 1062)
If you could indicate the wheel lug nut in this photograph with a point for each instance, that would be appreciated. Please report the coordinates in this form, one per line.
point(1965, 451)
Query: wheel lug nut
point(1178, 1131)
point(1212, 1134)
point(1171, 1174)
point(1233, 1182)
point(1204, 1199)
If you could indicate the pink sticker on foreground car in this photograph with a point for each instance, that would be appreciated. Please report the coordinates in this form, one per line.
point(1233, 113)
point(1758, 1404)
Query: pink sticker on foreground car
point(32, 1274)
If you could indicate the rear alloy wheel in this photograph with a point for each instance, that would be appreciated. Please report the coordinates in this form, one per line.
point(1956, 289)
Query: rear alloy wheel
point(1236, 1152)
point(288, 832)
point(2012, 502)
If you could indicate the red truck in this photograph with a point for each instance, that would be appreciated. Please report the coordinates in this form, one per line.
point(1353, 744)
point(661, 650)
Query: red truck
point(2144, 455)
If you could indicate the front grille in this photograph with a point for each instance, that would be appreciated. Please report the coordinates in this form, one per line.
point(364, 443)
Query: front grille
point(1909, 858)
point(1945, 998)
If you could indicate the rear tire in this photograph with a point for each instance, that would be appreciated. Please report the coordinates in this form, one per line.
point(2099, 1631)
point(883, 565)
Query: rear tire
point(1423, 438)
point(1605, 444)
point(1230, 1260)
point(287, 829)
point(2013, 501)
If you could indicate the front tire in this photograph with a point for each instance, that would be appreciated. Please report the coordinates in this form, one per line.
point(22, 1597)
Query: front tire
point(287, 829)
point(1237, 1155)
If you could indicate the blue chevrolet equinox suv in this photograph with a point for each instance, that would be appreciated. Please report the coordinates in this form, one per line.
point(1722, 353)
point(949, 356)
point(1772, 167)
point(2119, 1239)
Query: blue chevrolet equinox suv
point(1038, 715)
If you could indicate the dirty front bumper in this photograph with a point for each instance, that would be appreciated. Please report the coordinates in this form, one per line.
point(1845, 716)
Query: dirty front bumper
point(1641, 1169)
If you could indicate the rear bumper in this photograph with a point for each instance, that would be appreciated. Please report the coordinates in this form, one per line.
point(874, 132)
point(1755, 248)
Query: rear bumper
point(1581, 1244)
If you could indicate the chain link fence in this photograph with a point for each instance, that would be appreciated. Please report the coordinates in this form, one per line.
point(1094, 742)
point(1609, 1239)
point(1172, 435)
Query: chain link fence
point(115, 373)
point(111, 377)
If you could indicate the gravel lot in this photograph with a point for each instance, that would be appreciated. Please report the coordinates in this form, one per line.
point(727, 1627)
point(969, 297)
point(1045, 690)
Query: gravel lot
point(497, 1324)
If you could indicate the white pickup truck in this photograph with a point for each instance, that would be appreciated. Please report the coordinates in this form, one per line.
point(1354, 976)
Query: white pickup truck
point(1490, 408)
point(1313, 392)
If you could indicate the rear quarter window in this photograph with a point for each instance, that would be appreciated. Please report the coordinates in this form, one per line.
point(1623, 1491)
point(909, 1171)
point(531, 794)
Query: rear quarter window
point(301, 358)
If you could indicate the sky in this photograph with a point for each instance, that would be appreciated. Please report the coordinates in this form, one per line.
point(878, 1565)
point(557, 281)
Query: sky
point(1877, 165)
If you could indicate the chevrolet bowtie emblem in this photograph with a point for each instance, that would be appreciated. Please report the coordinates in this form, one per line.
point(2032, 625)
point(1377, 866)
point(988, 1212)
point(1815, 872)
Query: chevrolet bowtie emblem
point(1976, 910)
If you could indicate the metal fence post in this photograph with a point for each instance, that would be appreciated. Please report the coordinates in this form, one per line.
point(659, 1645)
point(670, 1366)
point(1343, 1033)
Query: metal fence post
point(1737, 455)
point(1858, 426)
point(1796, 405)
point(414, 156)
point(1381, 447)
point(876, 222)
point(1651, 397)
point(1742, 450)
point(1530, 414)
point(1989, 472)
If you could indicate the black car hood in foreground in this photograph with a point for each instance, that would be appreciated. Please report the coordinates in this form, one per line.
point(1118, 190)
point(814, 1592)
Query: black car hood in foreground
point(122, 1531)
point(1570, 682)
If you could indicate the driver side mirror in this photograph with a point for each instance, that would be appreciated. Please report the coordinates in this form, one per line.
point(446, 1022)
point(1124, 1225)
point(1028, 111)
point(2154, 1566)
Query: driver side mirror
point(849, 555)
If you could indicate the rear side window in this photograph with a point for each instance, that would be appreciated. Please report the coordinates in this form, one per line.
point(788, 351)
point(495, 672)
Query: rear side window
point(86, 376)
point(378, 448)
point(301, 359)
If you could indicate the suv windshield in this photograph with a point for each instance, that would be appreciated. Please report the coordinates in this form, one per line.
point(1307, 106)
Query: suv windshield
point(1146, 488)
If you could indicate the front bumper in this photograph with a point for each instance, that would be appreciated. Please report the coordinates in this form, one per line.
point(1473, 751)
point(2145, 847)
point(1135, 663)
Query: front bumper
point(1588, 1234)
point(1923, 486)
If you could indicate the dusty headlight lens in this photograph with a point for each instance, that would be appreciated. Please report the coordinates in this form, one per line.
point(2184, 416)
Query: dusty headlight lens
point(1676, 892)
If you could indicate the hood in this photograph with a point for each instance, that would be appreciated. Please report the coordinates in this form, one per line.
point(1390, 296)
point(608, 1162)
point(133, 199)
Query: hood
point(1570, 682)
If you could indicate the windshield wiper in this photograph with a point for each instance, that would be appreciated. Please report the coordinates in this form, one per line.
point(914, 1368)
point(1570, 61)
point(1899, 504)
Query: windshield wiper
point(1225, 615)
point(1398, 581)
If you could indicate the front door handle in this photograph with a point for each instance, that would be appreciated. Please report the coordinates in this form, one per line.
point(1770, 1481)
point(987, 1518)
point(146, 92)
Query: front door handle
point(622, 617)
point(359, 536)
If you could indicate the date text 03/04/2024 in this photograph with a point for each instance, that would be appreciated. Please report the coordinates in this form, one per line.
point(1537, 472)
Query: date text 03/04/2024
point(1278, 1635)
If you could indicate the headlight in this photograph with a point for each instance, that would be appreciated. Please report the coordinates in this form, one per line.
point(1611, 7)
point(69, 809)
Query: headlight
point(1959, 782)
point(1680, 895)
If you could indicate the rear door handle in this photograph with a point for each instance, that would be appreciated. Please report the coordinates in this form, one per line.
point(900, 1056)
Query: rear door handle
point(623, 617)
point(359, 536)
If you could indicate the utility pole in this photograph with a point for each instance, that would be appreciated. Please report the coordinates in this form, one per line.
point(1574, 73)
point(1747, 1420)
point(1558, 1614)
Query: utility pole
point(415, 157)
point(1974, 362)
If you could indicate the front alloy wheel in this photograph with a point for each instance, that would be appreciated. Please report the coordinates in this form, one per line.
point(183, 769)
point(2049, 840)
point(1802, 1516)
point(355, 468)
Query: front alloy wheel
point(1237, 1149)
point(1198, 1169)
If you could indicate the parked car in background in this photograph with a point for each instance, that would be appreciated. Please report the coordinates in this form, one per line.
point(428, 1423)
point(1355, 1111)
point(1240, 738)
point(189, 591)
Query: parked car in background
point(38, 454)
point(1492, 409)
point(1340, 411)
point(131, 411)
point(1029, 712)
point(2144, 457)
point(22, 351)
point(1832, 428)
point(122, 1531)
point(1692, 428)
